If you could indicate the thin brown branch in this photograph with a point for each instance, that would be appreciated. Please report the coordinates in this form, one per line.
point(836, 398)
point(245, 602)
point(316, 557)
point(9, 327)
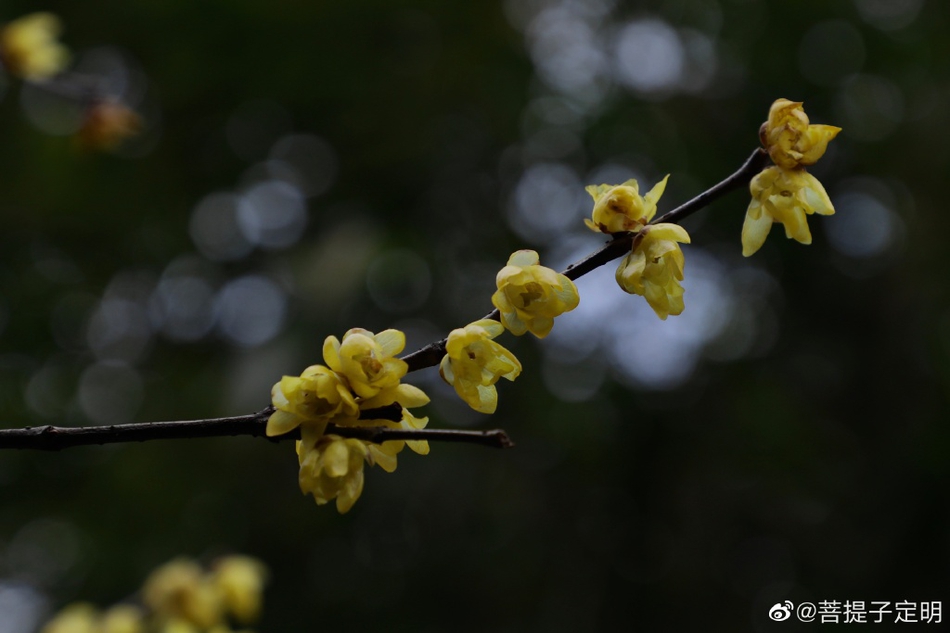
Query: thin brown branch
point(432, 354)
point(55, 438)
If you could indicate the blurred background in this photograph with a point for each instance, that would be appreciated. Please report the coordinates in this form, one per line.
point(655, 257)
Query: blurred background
point(309, 166)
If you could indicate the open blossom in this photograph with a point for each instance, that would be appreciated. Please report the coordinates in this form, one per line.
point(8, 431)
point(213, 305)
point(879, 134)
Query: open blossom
point(654, 268)
point(785, 196)
point(789, 138)
point(29, 48)
point(474, 363)
point(367, 360)
point(529, 296)
point(317, 395)
point(332, 468)
point(619, 208)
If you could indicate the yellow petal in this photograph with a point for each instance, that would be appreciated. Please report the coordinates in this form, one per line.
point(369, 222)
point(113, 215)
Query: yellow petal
point(281, 422)
point(331, 353)
point(815, 141)
point(524, 258)
point(391, 342)
point(755, 228)
point(667, 231)
point(653, 196)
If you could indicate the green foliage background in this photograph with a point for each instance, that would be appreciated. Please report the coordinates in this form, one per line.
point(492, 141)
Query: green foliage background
point(812, 469)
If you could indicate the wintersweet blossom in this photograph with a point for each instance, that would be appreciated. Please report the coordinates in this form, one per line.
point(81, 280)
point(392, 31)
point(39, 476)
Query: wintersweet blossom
point(240, 581)
point(180, 590)
point(789, 138)
point(29, 49)
point(619, 208)
point(529, 295)
point(785, 196)
point(654, 268)
point(122, 618)
point(367, 360)
point(332, 468)
point(317, 395)
point(474, 363)
point(75, 618)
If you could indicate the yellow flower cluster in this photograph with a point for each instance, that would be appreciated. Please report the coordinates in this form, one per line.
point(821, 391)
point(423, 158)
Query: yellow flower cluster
point(361, 374)
point(785, 192)
point(178, 597)
point(529, 295)
point(29, 48)
point(654, 266)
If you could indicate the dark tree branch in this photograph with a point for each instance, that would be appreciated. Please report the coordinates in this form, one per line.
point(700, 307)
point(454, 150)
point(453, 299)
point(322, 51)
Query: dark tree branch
point(55, 438)
point(432, 354)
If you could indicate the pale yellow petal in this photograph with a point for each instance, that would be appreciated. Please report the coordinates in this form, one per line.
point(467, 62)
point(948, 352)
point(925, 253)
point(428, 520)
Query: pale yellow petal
point(524, 258)
point(653, 196)
point(331, 353)
point(755, 229)
point(667, 231)
point(494, 328)
point(281, 422)
point(391, 342)
point(815, 142)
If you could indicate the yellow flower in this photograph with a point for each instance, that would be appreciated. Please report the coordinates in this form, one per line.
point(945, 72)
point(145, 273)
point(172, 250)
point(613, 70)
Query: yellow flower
point(317, 395)
point(529, 296)
point(123, 618)
point(619, 208)
point(75, 618)
point(407, 396)
point(786, 196)
point(790, 140)
point(332, 468)
point(179, 589)
point(28, 47)
point(367, 360)
point(654, 268)
point(240, 580)
point(474, 363)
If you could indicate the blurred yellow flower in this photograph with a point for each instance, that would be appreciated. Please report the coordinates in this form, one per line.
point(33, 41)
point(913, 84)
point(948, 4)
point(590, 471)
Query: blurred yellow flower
point(790, 140)
point(332, 468)
point(529, 296)
point(367, 360)
point(474, 363)
point(179, 590)
point(619, 208)
point(123, 618)
point(75, 618)
point(317, 395)
point(29, 49)
point(240, 581)
point(786, 196)
point(107, 124)
point(654, 268)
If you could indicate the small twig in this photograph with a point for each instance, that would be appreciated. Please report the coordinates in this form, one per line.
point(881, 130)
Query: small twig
point(55, 438)
point(432, 354)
